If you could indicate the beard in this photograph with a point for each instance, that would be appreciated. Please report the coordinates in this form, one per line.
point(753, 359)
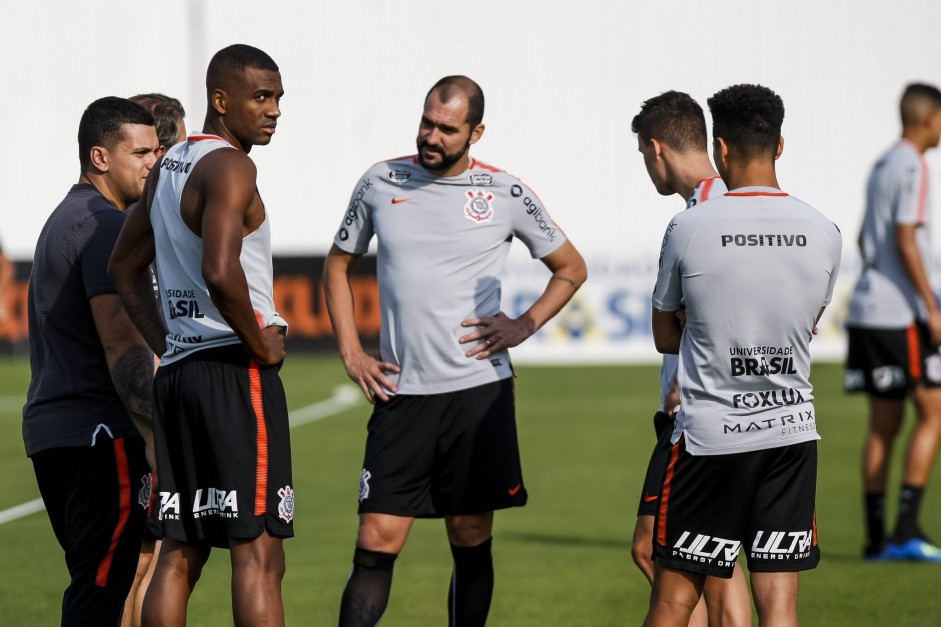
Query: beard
point(447, 160)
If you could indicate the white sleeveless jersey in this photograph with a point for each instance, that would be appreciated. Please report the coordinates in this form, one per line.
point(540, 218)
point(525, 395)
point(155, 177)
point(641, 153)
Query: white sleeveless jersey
point(707, 188)
point(897, 193)
point(192, 319)
point(753, 268)
point(443, 242)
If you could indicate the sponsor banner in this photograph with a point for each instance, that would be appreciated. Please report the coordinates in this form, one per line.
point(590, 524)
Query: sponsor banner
point(608, 320)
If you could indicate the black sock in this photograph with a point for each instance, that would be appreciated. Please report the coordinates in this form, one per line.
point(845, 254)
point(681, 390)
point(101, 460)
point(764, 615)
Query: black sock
point(909, 507)
point(367, 590)
point(875, 521)
point(471, 585)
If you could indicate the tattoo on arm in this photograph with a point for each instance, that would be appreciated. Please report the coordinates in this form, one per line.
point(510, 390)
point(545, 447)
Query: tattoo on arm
point(133, 375)
point(566, 279)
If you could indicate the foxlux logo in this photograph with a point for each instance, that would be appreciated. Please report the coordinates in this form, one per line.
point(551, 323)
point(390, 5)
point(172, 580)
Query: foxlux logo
point(769, 398)
point(747, 366)
point(707, 549)
point(782, 545)
point(767, 239)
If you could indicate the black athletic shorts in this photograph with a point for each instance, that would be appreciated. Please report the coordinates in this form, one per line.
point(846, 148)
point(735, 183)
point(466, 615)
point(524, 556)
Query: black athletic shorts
point(443, 454)
point(91, 494)
point(223, 449)
point(889, 363)
point(712, 505)
point(649, 496)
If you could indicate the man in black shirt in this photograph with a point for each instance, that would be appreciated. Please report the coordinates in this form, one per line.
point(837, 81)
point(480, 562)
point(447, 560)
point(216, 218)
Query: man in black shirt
point(87, 419)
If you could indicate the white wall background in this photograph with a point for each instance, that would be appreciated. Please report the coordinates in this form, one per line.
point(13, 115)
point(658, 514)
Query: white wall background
point(562, 80)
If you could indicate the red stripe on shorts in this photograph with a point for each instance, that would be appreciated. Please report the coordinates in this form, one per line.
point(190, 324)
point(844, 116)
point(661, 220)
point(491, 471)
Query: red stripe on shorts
point(261, 439)
point(914, 352)
point(124, 510)
point(665, 494)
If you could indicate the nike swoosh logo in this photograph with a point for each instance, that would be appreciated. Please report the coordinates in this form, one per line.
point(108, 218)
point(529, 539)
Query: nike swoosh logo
point(513, 491)
point(650, 498)
point(396, 201)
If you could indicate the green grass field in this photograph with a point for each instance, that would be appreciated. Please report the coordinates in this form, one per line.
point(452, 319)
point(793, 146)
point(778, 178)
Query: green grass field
point(562, 561)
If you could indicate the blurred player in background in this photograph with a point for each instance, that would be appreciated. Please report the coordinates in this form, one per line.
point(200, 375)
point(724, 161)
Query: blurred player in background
point(168, 120)
point(753, 271)
point(221, 423)
point(87, 422)
point(6, 282)
point(894, 328)
point(442, 437)
point(671, 136)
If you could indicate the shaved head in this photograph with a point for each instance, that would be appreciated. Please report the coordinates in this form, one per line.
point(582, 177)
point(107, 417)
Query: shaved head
point(451, 87)
point(918, 102)
point(229, 64)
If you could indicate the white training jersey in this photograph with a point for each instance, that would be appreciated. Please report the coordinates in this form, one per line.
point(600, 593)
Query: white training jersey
point(753, 268)
point(897, 193)
point(192, 319)
point(442, 244)
point(706, 189)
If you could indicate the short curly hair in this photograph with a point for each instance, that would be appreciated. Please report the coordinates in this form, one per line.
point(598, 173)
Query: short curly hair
point(749, 119)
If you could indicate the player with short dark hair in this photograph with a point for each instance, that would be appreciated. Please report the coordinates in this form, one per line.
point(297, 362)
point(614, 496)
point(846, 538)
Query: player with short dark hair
point(752, 271)
point(671, 136)
point(442, 438)
point(87, 422)
point(894, 328)
point(168, 115)
point(223, 443)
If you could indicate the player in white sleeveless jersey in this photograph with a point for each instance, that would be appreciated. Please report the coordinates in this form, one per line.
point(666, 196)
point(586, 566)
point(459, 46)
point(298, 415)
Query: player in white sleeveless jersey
point(222, 443)
point(672, 137)
point(442, 437)
point(753, 271)
point(894, 328)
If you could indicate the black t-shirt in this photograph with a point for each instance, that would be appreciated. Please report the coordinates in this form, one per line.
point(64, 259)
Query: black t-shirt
point(71, 392)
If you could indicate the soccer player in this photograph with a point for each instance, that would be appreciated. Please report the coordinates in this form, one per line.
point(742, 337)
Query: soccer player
point(6, 282)
point(87, 423)
point(894, 328)
point(442, 437)
point(223, 445)
point(671, 136)
point(753, 271)
point(168, 121)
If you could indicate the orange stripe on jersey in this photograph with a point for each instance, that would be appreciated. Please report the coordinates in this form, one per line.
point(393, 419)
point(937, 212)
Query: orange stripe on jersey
point(757, 194)
point(814, 535)
point(914, 351)
point(707, 187)
point(199, 138)
point(261, 438)
point(665, 494)
point(480, 164)
point(923, 191)
point(124, 511)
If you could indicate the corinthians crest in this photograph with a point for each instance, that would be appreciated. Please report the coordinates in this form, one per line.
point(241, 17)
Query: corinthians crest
point(479, 207)
point(286, 506)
